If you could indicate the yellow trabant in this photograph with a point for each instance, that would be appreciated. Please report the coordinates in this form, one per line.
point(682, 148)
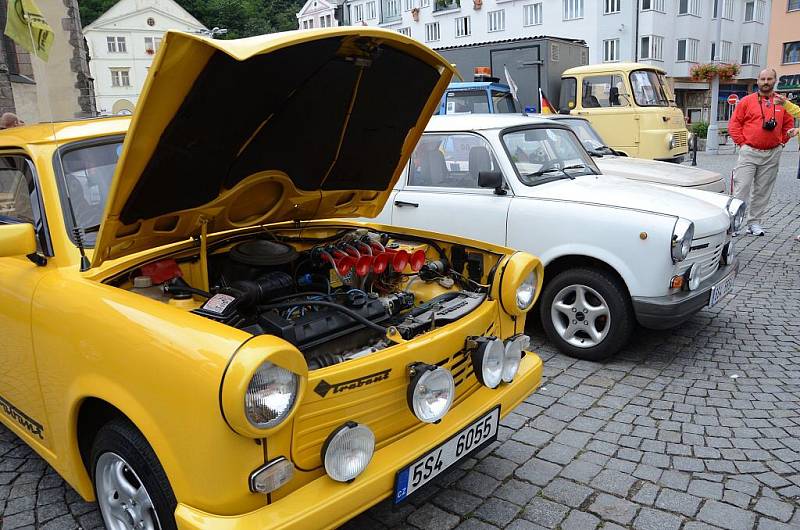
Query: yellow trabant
point(188, 341)
point(632, 107)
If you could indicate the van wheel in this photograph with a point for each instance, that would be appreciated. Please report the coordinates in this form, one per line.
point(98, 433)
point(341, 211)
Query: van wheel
point(586, 314)
point(131, 487)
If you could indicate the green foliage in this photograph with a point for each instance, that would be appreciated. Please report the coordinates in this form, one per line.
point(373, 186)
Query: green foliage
point(242, 18)
point(700, 128)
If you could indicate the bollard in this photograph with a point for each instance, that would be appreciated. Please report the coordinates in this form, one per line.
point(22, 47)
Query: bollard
point(694, 149)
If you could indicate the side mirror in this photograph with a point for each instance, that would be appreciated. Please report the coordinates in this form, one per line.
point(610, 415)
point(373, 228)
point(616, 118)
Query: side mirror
point(17, 240)
point(491, 179)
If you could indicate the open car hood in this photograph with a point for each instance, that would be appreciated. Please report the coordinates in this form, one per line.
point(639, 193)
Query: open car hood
point(289, 126)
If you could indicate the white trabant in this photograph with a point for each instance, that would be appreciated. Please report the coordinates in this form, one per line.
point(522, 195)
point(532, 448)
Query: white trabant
point(616, 251)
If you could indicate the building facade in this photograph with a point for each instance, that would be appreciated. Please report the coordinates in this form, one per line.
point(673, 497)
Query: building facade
point(122, 43)
point(318, 14)
point(671, 34)
point(784, 45)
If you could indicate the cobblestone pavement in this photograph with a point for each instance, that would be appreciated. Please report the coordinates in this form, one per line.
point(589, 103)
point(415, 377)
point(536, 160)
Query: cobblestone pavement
point(697, 427)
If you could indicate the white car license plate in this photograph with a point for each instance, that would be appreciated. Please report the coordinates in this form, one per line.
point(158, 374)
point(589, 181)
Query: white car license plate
point(426, 468)
point(721, 289)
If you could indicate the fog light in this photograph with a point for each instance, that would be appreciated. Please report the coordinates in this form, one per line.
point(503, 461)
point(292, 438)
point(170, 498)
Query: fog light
point(676, 282)
point(347, 451)
point(487, 361)
point(271, 476)
point(693, 276)
point(513, 355)
point(430, 392)
point(728, 253)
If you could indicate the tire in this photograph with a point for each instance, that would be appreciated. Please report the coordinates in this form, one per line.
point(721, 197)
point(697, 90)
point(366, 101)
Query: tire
point(121, 458)
point(607, 320)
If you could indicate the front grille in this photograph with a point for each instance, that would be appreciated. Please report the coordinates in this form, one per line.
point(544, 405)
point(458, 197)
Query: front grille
point(681, 138)
point(706, 251)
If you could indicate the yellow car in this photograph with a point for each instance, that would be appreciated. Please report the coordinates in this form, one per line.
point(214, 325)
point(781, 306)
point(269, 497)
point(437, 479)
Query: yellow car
point(185, 340)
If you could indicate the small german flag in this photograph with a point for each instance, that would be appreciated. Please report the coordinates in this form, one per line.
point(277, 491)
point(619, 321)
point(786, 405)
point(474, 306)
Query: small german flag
point(544, 104)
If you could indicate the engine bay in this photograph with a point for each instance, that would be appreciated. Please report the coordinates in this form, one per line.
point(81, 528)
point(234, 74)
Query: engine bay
point(336, 298)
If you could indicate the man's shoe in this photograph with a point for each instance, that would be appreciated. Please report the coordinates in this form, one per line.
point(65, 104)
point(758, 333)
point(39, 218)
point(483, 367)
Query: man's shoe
point(755, 229)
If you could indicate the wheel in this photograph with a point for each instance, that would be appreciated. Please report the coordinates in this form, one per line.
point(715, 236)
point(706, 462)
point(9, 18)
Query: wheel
point(586, 313)
point(131, 487)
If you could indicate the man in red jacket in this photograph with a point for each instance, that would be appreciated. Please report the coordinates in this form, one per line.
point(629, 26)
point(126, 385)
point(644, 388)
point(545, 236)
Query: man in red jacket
point(759, 127)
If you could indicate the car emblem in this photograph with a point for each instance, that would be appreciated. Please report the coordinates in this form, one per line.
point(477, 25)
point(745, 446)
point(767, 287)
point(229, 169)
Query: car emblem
point(323, 387)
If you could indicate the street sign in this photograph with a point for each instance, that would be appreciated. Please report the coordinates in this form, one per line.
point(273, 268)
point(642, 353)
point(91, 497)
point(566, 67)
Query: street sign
point(733, 99)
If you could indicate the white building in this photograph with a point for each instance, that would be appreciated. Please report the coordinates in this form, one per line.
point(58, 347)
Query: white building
point(122, 43)
point(673, 34)
point(317, 14)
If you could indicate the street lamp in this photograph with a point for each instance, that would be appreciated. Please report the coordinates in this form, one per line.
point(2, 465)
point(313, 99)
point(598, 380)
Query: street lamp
point(212, 32)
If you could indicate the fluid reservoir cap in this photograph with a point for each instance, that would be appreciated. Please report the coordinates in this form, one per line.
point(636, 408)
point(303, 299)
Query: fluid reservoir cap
point(142, 282)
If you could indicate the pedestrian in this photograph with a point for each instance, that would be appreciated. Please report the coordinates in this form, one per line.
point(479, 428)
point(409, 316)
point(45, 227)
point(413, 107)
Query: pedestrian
point(760, 126)
point(9, 120)
point(794, 110)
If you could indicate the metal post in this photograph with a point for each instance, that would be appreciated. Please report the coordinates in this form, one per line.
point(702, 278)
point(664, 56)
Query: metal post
point(694, 150)
point(712, 139)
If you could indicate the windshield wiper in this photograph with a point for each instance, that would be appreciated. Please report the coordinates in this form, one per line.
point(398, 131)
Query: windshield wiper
point(550, 170)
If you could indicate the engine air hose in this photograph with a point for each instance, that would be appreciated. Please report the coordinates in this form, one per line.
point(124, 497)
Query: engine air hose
point(333, 305)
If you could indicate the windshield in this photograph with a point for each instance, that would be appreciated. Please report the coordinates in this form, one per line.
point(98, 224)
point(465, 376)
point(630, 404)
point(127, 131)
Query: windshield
point(467, 102)
point(648, 88)
point(503, 102)
point(541, 155)
point(585, 133)
point(87, 173)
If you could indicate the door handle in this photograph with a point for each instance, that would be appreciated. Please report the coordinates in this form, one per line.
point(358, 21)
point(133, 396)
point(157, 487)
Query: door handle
point(400, 204)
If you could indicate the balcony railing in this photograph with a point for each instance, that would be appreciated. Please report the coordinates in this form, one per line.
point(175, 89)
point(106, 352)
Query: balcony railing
point(444, 5)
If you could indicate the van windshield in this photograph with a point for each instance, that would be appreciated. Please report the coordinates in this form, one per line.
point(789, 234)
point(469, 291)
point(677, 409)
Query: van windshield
point(648, 89)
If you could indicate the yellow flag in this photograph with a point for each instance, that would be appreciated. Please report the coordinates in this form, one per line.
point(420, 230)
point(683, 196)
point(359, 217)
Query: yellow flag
point(27, 27)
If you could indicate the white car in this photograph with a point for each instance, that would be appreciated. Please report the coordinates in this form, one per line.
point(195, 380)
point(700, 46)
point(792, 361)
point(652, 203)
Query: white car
point(615, 251)
point(611, 162)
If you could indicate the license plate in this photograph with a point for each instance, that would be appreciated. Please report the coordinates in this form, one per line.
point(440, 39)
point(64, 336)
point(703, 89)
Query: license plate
point(481, 432)
point(721, 289)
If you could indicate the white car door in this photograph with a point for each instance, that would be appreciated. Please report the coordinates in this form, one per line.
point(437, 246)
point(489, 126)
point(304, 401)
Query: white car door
point(441, 191)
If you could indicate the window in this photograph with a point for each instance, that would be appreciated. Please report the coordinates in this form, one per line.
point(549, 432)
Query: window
point(16, 188)
point(432, 33)
point(404, 31)
point(371, 13)
point(567, 97)
point(727, 9)
point(689, 7)
point(467, 102)
point(462, 27)
point(791, 52)
point(648, 88)
point(651, 47)
point(322, 22)
point(358, 12)
point(653, 5)
point(497, 20)
point(391, 10)
point(120, 77)
point(532, 14)
point(408, 5)
point(573, 9)
point(725, 55)
point(751, 53)
point(610, 50)
point(602, 91)
point(794, 5)
point(116, 45)
point(503, 102)
point(451, 161)
point(611, 6)
point(425, 3)
point(754, 11)
point(544, 155)
point(151, 45)
point(687, 50)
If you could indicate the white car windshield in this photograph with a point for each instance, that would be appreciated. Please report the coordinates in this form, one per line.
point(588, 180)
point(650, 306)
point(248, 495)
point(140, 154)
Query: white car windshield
point(586, 134)
point(543, 154)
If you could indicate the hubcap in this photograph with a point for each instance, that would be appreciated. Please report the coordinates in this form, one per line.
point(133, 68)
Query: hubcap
point(123, 499)
point(580, 316)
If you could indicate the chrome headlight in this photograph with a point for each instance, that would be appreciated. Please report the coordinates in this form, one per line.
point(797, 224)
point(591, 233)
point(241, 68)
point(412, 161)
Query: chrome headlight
point(513, 355)
point(682, 236)
point(487, 361)
point(430, 392)
point(671, 143)
point(736, 211)
point(270, 395)
point(526, 292)
point(347, 451)
point(693, 276)
point(728, 253)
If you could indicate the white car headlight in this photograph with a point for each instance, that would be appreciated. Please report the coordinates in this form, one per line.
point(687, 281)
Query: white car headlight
point(347, 451)
point(682, 236)
point(270, 395)
point(736, 211)
point(487, 361)
point(430, 392)
point(527, 291)
point(694, 276)
point(513, 355)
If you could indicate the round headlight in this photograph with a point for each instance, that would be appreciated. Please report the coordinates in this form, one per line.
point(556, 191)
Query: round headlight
point(670, 141)
point(694, 276)
point(682, 236)
point(526, 292)
point(737, 210)
point(487, 361)
point(728, 253)
point(347, 451)
point(513, 356)
point(270, 395)
point(431, 392)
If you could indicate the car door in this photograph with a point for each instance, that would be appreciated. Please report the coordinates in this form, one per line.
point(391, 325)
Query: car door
point(21, 403)
point(441, 192)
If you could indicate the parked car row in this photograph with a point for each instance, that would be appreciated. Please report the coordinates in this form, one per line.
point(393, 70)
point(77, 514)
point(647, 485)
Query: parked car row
point(194, 340)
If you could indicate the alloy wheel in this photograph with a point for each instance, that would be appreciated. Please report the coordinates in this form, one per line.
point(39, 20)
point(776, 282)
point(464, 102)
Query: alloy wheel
point(580, 316)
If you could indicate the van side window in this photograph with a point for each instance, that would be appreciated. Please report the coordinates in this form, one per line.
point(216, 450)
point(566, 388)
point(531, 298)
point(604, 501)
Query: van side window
point(603, 91)
point(567, 99)
point(450, 161)
point(20, 199)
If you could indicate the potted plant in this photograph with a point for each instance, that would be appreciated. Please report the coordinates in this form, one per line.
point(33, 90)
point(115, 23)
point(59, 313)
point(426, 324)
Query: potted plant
point(415, 14)
point(708, 71)
point(477, 4)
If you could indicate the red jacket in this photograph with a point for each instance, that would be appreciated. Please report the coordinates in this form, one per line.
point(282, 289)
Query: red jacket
point(745, 125)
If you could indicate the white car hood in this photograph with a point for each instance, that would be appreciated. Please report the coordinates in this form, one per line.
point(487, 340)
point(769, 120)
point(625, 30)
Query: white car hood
point(607, 190)
point(656, 171)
